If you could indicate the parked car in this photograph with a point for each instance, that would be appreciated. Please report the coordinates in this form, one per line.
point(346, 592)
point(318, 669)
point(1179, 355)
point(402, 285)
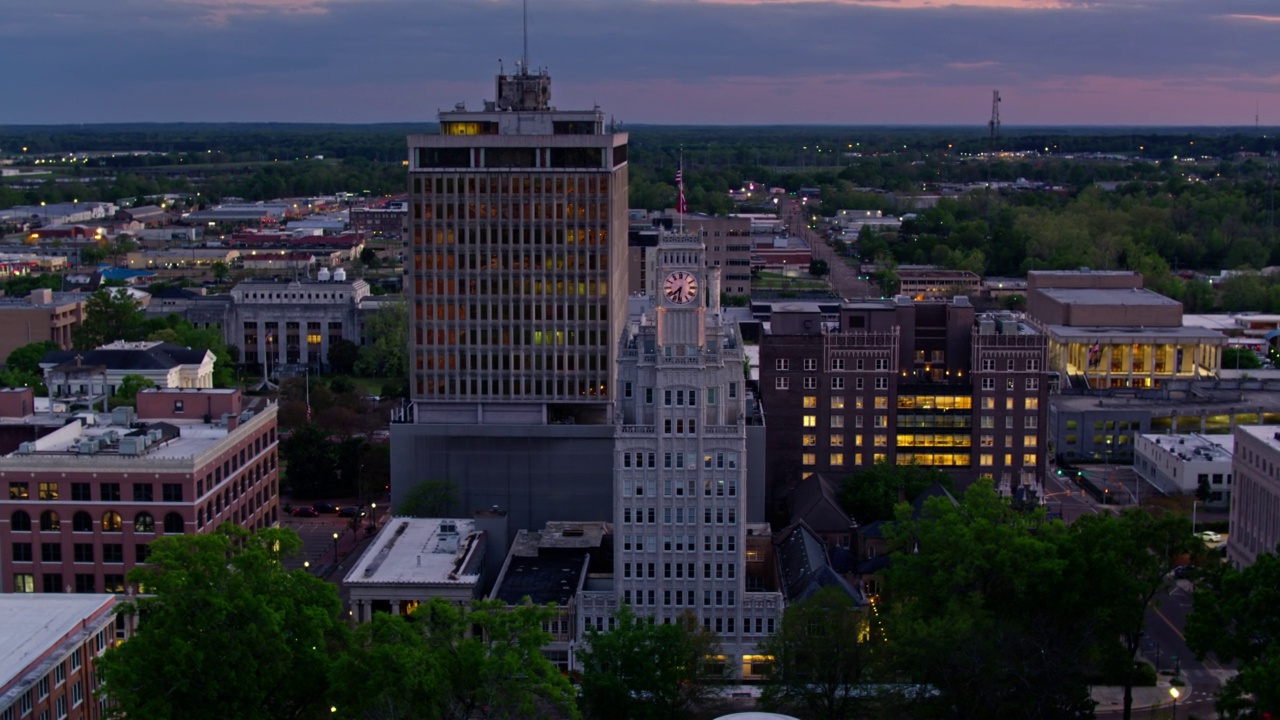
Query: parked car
point(305, 511)
point(350, 512)
point(324, 507)
point(1209, 537)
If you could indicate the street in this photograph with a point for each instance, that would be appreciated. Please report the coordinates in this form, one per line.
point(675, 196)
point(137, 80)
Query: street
point(843, 276)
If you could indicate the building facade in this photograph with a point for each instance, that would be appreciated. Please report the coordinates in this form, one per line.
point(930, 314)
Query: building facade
point(294, 322)
point(902, 382)
point(82, 502)
point(680, 460)
point(1255, 507)
point(50, 647)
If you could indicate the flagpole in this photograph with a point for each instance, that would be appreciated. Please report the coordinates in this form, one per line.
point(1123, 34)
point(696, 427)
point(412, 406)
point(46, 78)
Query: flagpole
point(681, 191)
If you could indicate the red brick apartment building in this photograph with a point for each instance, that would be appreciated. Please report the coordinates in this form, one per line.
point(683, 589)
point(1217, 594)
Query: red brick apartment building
point(81, 504)
point(903, 382)
point(46, 671)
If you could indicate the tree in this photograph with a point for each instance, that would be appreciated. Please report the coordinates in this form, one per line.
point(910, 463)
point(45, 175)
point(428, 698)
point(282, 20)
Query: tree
point(429, 498)
point(225, 631)
point(497, 671)
point(109, 315)
point(1133, 556)
point(824, 657)
point(342, 356)
point(1236, 616)
point(369, 257)
point(310, 461)
point(127, 390)
point(388, 674)
point(870, 494)
point(984, 605)
point(27, 358)
point(641, 670)
point(387, 355)
point(818, 268)
point(1239, 359)
point(220, 271)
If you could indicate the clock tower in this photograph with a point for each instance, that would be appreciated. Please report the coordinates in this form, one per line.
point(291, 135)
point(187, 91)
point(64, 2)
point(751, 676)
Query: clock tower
point(685, 290)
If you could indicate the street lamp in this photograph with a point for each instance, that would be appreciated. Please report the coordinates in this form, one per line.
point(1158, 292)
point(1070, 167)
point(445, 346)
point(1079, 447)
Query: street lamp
point(335, 548)
point(1173, 693)
point(373, 514)
point(306, 565)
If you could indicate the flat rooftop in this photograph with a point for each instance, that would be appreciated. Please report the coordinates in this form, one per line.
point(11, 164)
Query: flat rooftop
point(1109, 297)
point(1194, 446)
point(1072, 333)
point(1265, 433)
point(417, 551)
point(32, 625)
point(178, 439)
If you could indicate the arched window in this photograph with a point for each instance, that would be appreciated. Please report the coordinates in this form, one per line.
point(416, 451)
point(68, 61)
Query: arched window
point(144, 523)
point(81, 522)
point(173, 523)
point(20, 522)
point(49, 521)
point(111, 521)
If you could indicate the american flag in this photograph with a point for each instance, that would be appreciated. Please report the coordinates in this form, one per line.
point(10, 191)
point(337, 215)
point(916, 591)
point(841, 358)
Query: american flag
point(680, 204)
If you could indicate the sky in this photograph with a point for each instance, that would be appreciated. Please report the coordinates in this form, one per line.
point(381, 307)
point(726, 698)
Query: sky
point(721, 62)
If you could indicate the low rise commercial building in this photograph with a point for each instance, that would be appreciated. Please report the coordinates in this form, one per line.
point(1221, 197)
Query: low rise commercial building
point(1187, 464)
point(413, 560)
point(84, 501)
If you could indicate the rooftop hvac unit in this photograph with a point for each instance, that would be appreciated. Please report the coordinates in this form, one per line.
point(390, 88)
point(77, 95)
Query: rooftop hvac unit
point(87, 447)
point(110, 437)
point(225, 420)
point(154, 436)
point(123, 415)
point(448, 527)
point(133, 444)
point(986, 326)
point(246, 416)
point(26, 448)
point(1008, 326)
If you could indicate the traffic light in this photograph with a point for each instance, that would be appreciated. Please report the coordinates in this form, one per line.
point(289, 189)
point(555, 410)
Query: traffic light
point(1059, 471)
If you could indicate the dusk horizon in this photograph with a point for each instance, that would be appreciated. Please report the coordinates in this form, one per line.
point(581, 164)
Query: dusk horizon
point(1056, 63)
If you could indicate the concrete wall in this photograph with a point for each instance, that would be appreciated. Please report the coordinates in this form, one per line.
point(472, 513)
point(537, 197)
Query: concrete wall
point(537, 473)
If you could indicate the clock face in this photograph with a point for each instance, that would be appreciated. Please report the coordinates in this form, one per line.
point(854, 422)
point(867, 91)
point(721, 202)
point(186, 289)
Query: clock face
point(680, 287)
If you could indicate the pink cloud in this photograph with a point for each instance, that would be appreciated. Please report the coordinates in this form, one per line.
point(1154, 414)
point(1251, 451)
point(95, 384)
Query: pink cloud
point(1255, 18)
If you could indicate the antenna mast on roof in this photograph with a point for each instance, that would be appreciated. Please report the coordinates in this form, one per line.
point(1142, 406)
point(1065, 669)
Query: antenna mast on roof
point(525, 59)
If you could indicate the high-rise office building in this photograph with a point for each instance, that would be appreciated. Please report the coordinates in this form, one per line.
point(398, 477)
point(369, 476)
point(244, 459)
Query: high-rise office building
point(517, 288)
point(680, 508)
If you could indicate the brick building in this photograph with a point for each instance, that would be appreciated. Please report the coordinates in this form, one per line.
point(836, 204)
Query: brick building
point(903, 382)
point(82, 502)
point(42, 315)
point(50, 646)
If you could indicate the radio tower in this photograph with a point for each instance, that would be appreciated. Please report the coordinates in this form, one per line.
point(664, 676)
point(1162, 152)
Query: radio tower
point(994, 124)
